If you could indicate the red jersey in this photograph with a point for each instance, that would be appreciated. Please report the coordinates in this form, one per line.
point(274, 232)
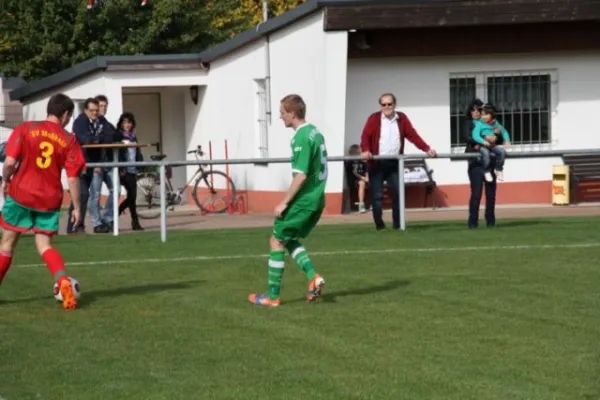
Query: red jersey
point(42, 150)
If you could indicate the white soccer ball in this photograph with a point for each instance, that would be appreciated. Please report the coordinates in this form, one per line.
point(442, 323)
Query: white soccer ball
point(76, 290)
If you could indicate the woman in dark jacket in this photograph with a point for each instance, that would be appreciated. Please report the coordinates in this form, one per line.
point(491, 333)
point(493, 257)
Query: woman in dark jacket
point(476, 173)
point(126, 134)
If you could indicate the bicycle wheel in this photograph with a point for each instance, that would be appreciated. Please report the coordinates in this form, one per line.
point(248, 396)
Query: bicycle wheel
point(206, 195)
point(148, 195)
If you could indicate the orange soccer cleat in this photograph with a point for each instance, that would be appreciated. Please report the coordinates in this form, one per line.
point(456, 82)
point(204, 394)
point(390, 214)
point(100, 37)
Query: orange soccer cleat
point(68, 297)
point(315, 287)
point(263, 300)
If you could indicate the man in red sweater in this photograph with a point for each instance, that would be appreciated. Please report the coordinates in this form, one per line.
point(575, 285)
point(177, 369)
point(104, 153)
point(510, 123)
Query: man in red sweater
point(384, 134)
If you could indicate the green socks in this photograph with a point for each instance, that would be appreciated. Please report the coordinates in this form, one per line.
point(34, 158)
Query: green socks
point(276, 269)
point(300, 255)
point(277, 266)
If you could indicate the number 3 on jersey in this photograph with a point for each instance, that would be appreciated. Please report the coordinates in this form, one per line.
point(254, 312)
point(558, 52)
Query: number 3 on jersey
point(323, 173)
point(45, 158)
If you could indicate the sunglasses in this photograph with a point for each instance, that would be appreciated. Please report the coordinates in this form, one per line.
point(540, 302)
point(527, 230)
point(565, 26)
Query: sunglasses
point(386, 104)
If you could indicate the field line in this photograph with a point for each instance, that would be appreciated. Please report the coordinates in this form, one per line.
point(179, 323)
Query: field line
point(524, 247)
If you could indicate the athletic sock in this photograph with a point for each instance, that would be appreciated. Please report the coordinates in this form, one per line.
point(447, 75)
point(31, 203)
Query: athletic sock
point(276, 269)
point(5, 260)
point(299, 254)
point(55, 264)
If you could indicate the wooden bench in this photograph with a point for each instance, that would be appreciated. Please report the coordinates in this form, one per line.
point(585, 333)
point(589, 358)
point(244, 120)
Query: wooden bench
point(583, 168)
point(413, 166)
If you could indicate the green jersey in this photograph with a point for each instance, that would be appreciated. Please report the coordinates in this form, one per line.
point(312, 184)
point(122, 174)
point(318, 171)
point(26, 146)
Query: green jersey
point(309, 156)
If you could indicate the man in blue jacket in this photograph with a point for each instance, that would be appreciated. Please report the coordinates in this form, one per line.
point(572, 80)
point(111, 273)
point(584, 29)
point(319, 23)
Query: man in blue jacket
point(88, 129)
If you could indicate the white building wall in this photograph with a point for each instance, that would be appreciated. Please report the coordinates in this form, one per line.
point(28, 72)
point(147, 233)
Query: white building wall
point(316, 71)
point(174, 91)
point(3, 100)
point(162, 77)
point(422, 88)
point(90, 86)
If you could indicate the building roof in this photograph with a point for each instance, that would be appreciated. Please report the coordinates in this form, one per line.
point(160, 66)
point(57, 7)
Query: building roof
point(92, 65)
point(11, 83)
point(101, 63)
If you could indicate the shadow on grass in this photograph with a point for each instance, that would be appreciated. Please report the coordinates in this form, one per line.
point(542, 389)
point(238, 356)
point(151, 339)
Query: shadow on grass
point(331, 297)
point(88, 298)
point(462, 225)
point(522, 222)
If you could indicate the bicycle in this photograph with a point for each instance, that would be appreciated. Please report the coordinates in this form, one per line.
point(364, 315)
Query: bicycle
point(148, 184)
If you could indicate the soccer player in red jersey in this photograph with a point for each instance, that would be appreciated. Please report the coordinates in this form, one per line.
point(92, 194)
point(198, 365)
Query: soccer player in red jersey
point(36, 153)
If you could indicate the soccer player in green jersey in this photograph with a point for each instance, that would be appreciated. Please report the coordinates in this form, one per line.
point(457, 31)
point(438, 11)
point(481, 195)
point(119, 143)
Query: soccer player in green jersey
point(302, 206)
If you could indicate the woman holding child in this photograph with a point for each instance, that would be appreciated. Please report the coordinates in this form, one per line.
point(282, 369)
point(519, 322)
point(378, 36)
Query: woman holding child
point(485, 135)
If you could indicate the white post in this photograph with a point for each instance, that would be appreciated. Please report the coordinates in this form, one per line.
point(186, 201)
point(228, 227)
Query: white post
point(163, 204)
point(116, 193)
point(401, 196)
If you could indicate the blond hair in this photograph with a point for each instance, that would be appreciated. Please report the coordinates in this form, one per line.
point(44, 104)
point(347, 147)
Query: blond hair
point(293, 103)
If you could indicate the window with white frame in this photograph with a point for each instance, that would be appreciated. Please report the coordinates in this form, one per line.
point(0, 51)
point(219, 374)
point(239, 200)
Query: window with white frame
point(524, 101)
point(262, 123)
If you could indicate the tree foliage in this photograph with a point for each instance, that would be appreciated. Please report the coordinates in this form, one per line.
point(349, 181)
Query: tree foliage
point(42, 37)
point(230, 17)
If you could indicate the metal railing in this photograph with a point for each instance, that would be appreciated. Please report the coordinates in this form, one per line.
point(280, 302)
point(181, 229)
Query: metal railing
point(400, 158)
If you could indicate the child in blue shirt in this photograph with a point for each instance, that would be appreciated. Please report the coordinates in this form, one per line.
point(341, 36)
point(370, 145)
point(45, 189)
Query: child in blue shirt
point(486, 133)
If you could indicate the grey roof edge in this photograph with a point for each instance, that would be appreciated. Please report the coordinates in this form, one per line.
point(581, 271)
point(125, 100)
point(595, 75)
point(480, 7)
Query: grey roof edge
point(61, 77)
point(92, 65)
point(13, 83)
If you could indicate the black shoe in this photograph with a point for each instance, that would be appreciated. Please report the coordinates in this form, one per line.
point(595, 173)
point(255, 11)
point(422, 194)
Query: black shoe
point(110, 226)
point(79, 231)
point(101, 229)
point(135, 225)
point(491, 225)
point(472, 226)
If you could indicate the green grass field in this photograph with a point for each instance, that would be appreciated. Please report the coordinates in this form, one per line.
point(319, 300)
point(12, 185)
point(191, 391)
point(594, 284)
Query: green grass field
point(438, 312)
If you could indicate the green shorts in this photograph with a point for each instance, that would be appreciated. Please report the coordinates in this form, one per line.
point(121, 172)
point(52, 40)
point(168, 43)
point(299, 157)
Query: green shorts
point(295, 223)
point(17, 218)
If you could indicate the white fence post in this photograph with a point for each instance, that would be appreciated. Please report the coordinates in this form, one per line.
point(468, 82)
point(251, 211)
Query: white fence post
point(401, 193)
point(163, 203)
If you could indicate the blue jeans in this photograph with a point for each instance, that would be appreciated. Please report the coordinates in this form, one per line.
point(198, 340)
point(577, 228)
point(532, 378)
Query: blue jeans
point(84, 188)
point(499, 152)
point(384, 170)
point(95, 191)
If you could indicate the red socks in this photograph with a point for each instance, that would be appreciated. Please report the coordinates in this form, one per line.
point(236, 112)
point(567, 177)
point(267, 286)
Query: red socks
point(55, 264)
point(5, 260)
point(51, 257)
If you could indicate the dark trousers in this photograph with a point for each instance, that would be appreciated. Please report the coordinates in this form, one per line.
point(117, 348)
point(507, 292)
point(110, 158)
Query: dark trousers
point(84, 187)
point(129, 183)
point(478, 182)
point(384, 170)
